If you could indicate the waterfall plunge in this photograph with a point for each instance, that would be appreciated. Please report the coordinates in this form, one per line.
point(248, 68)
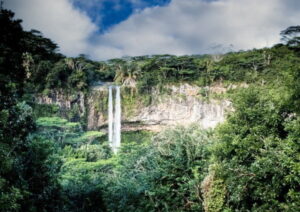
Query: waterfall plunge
point(117, 121)
point(114, 119)
point(110, 116)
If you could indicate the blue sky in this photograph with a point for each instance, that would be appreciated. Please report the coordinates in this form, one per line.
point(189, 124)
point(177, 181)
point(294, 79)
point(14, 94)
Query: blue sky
point(107, 13)
point(104, 29)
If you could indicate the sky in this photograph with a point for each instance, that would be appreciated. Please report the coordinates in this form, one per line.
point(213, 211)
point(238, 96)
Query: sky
point(105, 29)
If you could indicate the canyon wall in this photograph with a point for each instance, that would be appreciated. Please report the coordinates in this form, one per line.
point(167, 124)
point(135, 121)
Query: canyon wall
point(180, 105)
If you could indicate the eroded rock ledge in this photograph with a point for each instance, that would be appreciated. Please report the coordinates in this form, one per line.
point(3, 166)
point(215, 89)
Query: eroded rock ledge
point(181, 105)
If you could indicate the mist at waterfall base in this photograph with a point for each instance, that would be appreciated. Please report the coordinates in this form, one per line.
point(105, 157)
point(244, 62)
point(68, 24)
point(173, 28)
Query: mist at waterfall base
point(114, 118)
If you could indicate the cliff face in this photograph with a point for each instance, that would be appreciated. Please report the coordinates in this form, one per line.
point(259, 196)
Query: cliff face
point(181, 105)
point(66, 102)
point(170, 112)
point(97, 108)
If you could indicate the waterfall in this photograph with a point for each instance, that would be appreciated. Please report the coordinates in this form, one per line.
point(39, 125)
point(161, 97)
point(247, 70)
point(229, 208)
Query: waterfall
point(117, 121)
point(110, 116)
point(114, 119)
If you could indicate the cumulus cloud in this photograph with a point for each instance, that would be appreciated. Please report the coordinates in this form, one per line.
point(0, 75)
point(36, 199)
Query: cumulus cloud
point(70, 28)
point(181, 27)
point(194, 26)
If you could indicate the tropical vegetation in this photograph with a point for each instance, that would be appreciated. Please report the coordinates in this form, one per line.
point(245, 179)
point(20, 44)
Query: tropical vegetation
point(50, 162)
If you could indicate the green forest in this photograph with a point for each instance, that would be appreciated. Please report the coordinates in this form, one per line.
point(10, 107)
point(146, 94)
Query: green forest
point(50, 161)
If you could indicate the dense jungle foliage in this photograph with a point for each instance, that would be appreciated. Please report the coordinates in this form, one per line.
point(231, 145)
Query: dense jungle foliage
point(249, 163)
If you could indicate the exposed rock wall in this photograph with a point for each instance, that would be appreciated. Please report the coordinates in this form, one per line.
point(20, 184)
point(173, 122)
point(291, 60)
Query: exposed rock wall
point(183, 112)
point(181, 105)
point(63, 100)
point(97, 109)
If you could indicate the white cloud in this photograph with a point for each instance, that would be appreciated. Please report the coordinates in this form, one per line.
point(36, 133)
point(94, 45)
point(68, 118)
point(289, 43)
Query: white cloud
point(181, 27)
point(193, 26)
point(70, 28)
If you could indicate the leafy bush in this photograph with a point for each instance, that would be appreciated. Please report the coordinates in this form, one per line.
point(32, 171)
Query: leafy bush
point(252, 153)
point(163, 176)
point(80, 181)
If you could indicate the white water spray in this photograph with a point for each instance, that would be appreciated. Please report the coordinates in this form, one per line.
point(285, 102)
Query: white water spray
point(114, 119)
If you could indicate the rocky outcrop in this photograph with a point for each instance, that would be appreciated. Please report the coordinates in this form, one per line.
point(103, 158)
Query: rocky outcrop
point(183, 112)
point(97, 108)
point(66, 102)
point(181, 105)
point(56, 97)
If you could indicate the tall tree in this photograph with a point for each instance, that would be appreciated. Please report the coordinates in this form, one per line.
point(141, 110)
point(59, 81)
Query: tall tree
point(27, 171)
point(291, 36)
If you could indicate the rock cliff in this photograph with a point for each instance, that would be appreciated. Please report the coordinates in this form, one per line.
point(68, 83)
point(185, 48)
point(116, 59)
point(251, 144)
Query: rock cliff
point(180, 105)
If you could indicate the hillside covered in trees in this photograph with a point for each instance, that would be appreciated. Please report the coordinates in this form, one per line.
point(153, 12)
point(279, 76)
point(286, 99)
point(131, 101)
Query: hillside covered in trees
point(49, 161)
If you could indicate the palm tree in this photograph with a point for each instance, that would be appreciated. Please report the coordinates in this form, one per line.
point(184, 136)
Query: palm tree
point(74, 64)
point(127, 74)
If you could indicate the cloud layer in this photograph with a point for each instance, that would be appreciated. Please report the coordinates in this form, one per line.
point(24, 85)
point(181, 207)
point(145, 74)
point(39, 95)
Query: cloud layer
point(181, 27)
point(70, 28)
